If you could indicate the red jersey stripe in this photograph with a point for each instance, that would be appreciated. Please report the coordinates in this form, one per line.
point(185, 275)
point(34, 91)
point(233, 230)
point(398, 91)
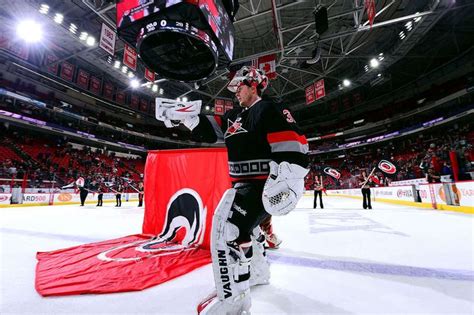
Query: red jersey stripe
point(281, 136)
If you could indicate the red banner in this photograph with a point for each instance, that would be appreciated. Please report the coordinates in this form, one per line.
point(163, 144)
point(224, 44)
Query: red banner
point(83, 79)
point(108, 90)
point(370, 7)
point(51, 59)
point(143, 105)
point(67, 71)
point(130, 263)
point(310, 97)
point(135, 101)
point(219, 107)
point(130, 57)
point(149, 75)
point(95, 85)
point(120, 97)
point(229, 105)
point(319, 89)
point(179, 188)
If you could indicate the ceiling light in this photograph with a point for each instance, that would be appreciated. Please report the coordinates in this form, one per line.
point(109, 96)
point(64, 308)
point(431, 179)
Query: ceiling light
point(134, 83)
point(73, 28)
point(130, 74)
point(366, 68)
point(381, 57)
point(185, 99)
point(44, 8)
point(90, 41)
point(207, 107)
point(83, 36)
point(418, 18)
point(374, 63)
point(124, 69)
point(117, 64)
point(161, 91)
point(346, 83)
point(109, 59)
point(379, 75)
point(58, 18)
point(154, 88)
point(29, 31)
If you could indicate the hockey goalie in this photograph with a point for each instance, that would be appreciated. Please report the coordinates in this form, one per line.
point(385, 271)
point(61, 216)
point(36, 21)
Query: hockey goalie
point(267, 157)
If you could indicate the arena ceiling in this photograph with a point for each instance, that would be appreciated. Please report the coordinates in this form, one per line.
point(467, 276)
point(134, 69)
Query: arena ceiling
point(287, 29)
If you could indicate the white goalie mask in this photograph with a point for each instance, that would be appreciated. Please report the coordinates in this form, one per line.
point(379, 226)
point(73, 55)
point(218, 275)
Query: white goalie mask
point(249, 76)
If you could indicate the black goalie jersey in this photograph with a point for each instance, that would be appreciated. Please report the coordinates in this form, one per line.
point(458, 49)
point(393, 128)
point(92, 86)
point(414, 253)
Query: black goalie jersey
point(255, 136)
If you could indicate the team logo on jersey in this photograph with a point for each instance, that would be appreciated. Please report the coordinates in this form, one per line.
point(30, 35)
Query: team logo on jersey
point(234, 127)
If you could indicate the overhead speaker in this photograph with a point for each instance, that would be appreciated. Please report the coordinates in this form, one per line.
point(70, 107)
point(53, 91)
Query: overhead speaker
point(321, 20)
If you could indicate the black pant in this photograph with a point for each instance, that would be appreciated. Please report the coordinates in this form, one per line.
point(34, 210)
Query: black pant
point(315, 202)
point(140, 199)
point(366, 196)
point(247, 209)
point(83, 195)
point(99, 199)
point(118, 199)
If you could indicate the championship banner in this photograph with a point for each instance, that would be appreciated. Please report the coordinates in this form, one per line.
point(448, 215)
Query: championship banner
point(83, 79)
point(120, 97)
point(130, 57)
point(149, 75)
point(135, 101)
point(51, 66)
point(108, 90)
point(143, 105)
point(67, 71)
point(310, 97)
point(95, 85)
point(181, 195)
point(19, 49)
point(319, 89)
point(219, 107)
point(107, 39)
point(228, 105)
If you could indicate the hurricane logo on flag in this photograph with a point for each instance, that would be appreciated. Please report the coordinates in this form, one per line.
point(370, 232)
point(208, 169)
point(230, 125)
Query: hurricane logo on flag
point(387, 167)
point(184, 210)
point(332, 172)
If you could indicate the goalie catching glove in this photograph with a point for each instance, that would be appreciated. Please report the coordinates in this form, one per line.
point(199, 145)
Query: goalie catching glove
point(283, 188)
point(173, 112)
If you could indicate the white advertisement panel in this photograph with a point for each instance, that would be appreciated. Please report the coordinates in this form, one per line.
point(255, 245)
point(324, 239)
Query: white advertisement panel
point(465, 191)
point(5, 199)
point(36, 198)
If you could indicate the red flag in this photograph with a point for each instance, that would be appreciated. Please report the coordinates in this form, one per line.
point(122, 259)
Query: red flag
point(180, 198)
point(178, 186)
point(370, 7)
point(130, 263)
point(268, 65)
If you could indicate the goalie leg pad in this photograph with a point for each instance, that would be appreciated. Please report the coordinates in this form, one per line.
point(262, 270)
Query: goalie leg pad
point(230, 264)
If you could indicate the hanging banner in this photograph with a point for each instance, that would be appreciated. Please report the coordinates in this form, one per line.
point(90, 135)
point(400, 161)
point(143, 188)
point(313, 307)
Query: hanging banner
point(149, 75)
point(108, 90)
point(67, 71)
point(219, 107)
point(310, 97)
point(130, 57)
point(135, 101)
point(83, 79)
point(228, 105)
point(370, 8)
point(319, 89)
point(120, 97)
point(50, 62)
point(107, 39)
point(143, 105)
point(95, 85)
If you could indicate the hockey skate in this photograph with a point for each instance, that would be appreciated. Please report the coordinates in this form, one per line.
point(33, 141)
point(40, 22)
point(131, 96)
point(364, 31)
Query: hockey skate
point(273, 242)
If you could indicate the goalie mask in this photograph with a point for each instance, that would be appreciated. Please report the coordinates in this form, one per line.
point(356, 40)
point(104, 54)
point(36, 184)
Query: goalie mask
point(250, 76)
